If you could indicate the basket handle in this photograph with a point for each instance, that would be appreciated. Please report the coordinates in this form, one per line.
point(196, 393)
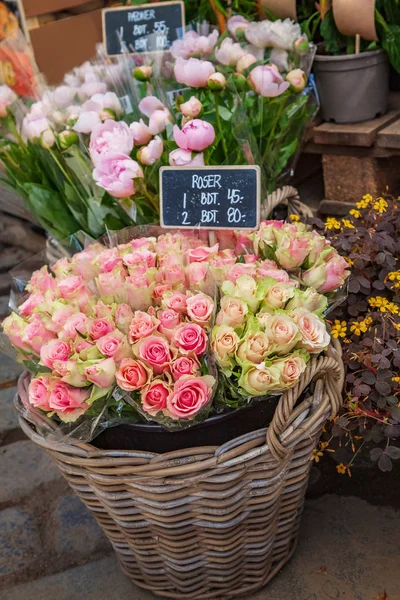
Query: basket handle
point(327, 372)
point(285, 195)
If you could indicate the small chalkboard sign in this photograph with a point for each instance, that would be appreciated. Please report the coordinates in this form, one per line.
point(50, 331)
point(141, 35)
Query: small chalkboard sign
point(210, 197)
point(144, 28)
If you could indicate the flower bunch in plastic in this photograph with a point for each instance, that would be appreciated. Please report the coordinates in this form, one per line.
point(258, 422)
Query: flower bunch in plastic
point(126, 322)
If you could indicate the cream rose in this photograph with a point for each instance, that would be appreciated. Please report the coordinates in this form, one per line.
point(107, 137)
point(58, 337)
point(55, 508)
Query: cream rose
point(278, 295)
point(233, 312)
point(224, 342)
point(291, 369)
point(258, 380)
point(314, 335)
point(282, 332)
point(254, 348)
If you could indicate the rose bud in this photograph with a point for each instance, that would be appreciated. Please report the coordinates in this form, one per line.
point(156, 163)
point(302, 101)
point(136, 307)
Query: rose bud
point(216, 82)
point(297, 79)
point(142, 73)
point(67, 138)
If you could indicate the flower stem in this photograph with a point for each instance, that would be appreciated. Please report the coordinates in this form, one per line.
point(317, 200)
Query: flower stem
point(219, 125)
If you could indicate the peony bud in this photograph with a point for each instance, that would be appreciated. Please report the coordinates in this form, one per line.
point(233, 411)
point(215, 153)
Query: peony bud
point(192, 108)
point(47, 139)
point(216, 82)
point(297, 79)
point(67, 139)
point(107, 113)
point(245, 62)
point(240, 81)
point(302, 46)
point(142, 73)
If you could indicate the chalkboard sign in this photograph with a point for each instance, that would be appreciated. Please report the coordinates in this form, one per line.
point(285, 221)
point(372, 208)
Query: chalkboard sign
point(144, 28)
point(210, 197)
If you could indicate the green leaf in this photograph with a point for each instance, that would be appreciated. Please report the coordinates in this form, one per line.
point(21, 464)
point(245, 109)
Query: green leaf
point(333, 39)
point(49, 208)
point(224, 113)
point(391, 43)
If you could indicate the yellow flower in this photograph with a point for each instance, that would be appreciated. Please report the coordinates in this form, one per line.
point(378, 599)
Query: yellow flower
point(379, 302)
point(347, 224)
point(316, 455)
point(324, 445)
point(339, 329)
point(355, 213)
point(380, 205)
point(341, 469)
point(367, 199)
point(332, 223)
point(396, 379)
point(393, 308)
point(295, 217)
point(359, 327)
point(350, 261)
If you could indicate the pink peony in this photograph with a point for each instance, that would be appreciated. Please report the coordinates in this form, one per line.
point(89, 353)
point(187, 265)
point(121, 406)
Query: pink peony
point(69, 403)
point(115, 173)
point(110, 137)
point(100, 327)
point(87, 121)
point(154, 396)
point(132, 375)
point(190, 395)
point(196, 135)
point(191, 338)
point(141, 325)
point(200, 308)
point(185, 158)
point(159, 115)
point(39, 392)
point(194, 44)
point(102, 373)
point(267, 81)
point(140, 132)
point(7, 97)
point(237, 23)
point(54, 350)
point(155, 351)
point(150, 154)
point(184, 365)
point(192, 108)
point(114, 345)
point(229, 53)
point(193, 72)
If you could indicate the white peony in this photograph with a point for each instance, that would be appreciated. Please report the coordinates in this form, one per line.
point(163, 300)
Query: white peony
point(276, 34)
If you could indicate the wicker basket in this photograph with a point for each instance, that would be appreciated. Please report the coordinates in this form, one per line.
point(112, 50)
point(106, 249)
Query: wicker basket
point(207, 522)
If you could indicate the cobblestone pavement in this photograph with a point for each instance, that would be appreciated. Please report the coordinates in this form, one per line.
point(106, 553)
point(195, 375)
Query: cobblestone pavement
point(52, 549)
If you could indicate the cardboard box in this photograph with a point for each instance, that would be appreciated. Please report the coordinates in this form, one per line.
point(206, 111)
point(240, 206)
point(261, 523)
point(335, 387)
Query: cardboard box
point(62, 45)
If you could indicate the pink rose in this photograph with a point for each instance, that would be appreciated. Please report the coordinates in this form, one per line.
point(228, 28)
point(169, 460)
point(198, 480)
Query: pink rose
point(184, 365)
point(111, 137)
point(150, 154)
point(41, 281)
point(196, 136)
point(70, 373)
point(159, 290)
point(14, 327)
point(71, 287)
point(200, 308)
point(54, 350)
point(250, 259)
point(267, 81)
point(197, 272)
point(100, 327)
point(329, 276)
point(314, 335)
point(292, 250)
point(74, 324)
point(185, 158)
point(175, 300)
point(278, 274)
point(243, 243)
point(190, 395)
point(154, 396)
point(114, 345)
point(80, 345)
point(109, 283)
point(202, 253)
point(132, 375)
point(123, 317)
point(68, 402)
point(291, 369)
point(193, 72)
point(140, 132)
point(39, 392)
point(141, 325)
point(169, 321)
point(233, 312)
point(61, 315)
point(36, 335)
point(154, 350)
point(103, 311)
point(116, 173)
point(173, 275)
point(33, 301)
point(240, 269)
point(102, 373)
point(167, 259)
point(109, 260)
point(191, 338)
point(144, 243)
point(140, 256)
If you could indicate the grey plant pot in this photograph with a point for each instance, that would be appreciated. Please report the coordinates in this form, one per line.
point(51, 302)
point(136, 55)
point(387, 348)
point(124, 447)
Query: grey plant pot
point(353, 87)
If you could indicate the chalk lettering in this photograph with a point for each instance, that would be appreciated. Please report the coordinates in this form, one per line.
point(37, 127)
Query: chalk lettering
point(209, 216)
point(141, 15)
point(206, 181)
point(208, 198)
